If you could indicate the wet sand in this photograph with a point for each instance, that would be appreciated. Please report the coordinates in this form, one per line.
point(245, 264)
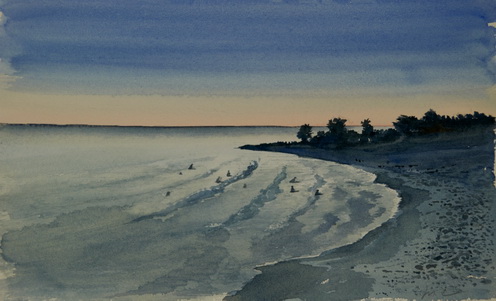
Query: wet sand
point(440, 246)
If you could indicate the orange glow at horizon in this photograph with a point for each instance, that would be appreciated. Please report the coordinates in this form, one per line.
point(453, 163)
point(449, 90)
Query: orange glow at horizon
point(225, 111)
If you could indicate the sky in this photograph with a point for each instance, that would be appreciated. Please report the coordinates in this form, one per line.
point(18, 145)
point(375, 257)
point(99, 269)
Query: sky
point(239, 62)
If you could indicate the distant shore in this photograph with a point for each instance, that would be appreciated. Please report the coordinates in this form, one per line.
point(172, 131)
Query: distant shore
point(53, 125)
point(441, 245)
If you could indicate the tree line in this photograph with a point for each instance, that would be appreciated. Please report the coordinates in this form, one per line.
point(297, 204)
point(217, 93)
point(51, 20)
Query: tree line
point(337, 135)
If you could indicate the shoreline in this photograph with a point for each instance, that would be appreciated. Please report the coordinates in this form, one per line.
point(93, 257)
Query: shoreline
point(440, 246)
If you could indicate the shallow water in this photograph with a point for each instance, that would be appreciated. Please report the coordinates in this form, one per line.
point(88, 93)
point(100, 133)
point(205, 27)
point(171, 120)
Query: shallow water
point(100, 213)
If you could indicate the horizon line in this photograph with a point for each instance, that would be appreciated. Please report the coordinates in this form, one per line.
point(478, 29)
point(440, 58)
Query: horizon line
point(158, 126)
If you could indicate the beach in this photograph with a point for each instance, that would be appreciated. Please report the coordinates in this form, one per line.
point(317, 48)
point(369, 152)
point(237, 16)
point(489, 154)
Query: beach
point(439, 246)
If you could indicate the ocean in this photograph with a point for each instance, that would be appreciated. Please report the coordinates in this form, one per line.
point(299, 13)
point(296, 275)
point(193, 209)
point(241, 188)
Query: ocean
point(131, 213)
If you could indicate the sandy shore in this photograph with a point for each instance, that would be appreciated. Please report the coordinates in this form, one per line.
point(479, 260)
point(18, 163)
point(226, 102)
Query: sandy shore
point(441, 245)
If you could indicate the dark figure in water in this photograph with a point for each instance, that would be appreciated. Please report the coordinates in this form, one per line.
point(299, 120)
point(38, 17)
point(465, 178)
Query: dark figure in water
point(293, 189)
point(191, 166)
point(317, 192)
point(294, 180)
point(219, 180)
point(244, 185)
point(168, 193)
point(228, 173)
point(180, 173)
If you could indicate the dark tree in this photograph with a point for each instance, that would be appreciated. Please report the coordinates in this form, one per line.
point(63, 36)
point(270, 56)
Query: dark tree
point(431, 123)
point(431, 117)
point(353, 137)
point(367, 131)
point(337, 126)
point(407, 125)
point(318, 139)
point(305, 133)
point(388, 135)
point(337, 134)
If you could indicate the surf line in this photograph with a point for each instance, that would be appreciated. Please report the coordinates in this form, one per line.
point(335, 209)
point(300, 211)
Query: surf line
point(266, 195)
point(200, 195)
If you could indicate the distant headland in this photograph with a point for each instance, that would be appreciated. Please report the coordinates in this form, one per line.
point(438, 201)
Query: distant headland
point(338, 136)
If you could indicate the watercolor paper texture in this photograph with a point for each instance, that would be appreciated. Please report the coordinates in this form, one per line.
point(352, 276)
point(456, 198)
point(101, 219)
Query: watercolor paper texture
point(147, 195)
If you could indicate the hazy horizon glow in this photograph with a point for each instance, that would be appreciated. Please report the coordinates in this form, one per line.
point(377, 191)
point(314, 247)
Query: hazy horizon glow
point(234, 63)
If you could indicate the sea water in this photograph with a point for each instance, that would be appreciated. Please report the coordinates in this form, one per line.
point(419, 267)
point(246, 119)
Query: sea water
point(100, 213)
